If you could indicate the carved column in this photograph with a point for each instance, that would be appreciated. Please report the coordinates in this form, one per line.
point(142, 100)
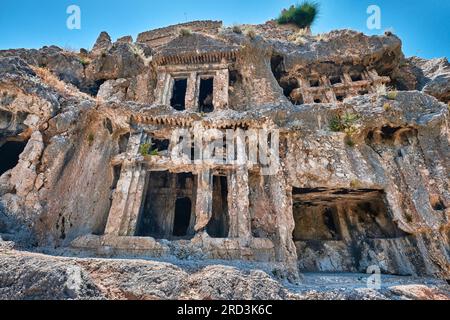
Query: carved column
point(203, 208)
point(127, 199)
point(221, 83)
point(238, 204)
point(352, 91)
point(330, 96)
point(191, 92)
point(304, 86)
point(163, 88)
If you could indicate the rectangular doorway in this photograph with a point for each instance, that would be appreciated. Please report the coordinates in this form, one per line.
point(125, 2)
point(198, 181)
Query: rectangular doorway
point(169, 206)
point(218, 226)
point(206, 95)
point(178, 100)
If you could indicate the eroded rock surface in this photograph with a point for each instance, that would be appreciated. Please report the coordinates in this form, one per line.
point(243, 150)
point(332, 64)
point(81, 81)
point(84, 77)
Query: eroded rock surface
point(87, 145)
point(36, 277)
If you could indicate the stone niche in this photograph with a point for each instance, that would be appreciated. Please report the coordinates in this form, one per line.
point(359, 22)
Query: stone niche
point(219, 225)
point(169, 206)
point(197, 88)
point(342, 230)
point(333, 88)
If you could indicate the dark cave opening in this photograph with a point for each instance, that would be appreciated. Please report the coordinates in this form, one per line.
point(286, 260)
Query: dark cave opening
point(234, 78)
point(341, 225)
point(392, 136)
point(123, 142)
point(277, 66)
point(288, 86)
point(356, 77)
point(436, 203)
point(206, 95)
point(314, 83)
point(287, 83)
point(363, 92)
point(9, 154)
point(5, 118)
point(108, 125)
point(319, 214)
point(116, 176)
point(92, 88)
point(168, 210)
point(340, 97)
point(178, 100)
point(183, 179)
point(335, 80)
point(388, 132)
point(315, 223)
point(218, 226)
point(183, 208)
point(160, 144)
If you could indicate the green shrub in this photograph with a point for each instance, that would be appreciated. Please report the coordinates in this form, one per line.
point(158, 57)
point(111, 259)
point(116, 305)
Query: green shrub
point(335, 124)
point(303, 15)
point(349, 118)
point(387, 107)
point(84, 62)
point(184, 32)
point(349, 141)
point(237, 29)
point(392, 95)
point(144, 149)
point(344, 123)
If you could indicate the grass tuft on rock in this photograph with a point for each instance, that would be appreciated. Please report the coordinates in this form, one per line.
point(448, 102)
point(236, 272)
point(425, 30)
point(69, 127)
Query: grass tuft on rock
point(185, 32)
point(302, 15)
point(144, 149)
point(237, 29)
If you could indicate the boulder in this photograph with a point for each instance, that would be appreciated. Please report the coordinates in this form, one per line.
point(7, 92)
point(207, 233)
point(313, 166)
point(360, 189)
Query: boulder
point(102, 44)
point(433, 77)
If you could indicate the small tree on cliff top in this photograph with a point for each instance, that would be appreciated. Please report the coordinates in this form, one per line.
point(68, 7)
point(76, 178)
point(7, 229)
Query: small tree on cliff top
point(302, 15)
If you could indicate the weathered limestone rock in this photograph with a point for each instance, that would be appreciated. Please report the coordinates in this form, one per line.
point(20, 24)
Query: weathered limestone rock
point(168, 161)
point(102, 44)
point(114, 90)
point(433, 77)
point(24, 175)
point(43, 277)
point(125, 39)
point(119, 60)
point(67, 66)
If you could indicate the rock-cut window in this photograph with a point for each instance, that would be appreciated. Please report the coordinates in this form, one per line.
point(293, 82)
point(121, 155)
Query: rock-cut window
point(178, 100)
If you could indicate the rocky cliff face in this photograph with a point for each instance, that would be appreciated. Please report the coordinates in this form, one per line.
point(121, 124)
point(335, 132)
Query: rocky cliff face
point(363, 177)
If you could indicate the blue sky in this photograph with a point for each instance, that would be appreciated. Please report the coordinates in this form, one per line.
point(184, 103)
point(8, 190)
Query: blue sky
point(424, 26)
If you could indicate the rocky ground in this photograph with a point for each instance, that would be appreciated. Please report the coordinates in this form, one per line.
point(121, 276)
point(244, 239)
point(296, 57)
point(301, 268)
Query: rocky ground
point(31, 276)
